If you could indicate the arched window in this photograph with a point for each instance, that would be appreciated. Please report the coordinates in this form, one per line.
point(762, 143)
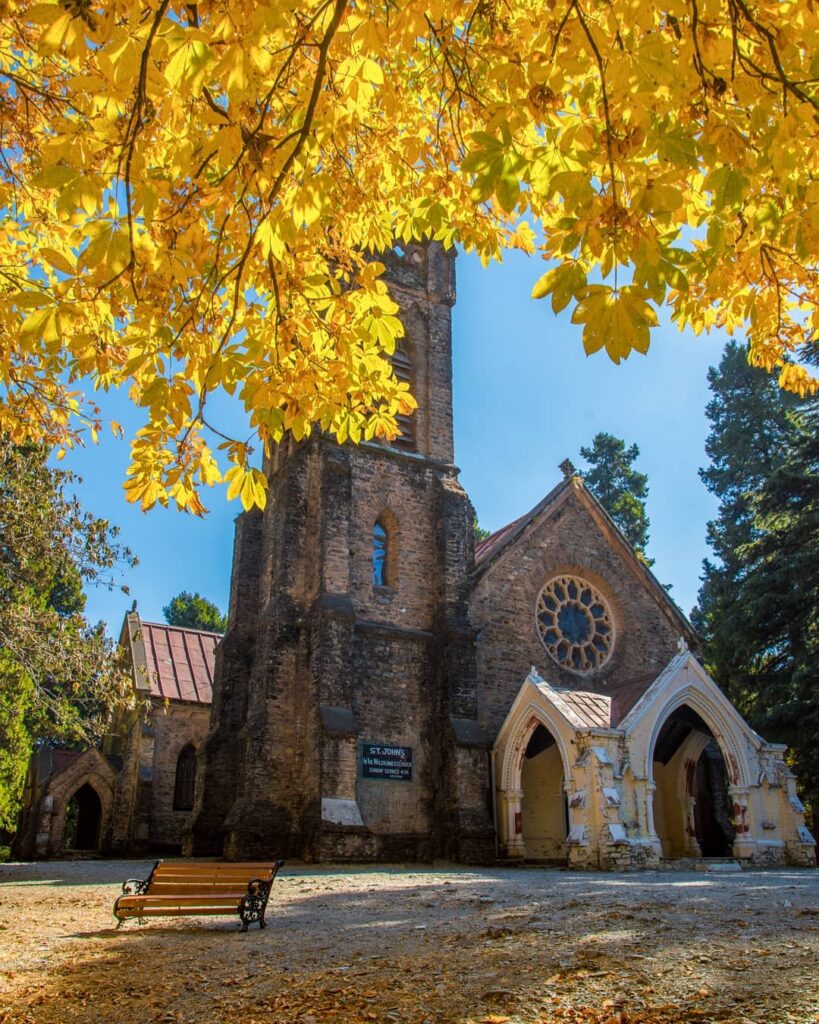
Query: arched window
point(385, 551)
point(402, 368)
point(380, 545)
point(185, 779)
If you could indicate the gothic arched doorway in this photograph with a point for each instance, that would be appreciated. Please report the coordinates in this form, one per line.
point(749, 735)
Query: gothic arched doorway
point(83, 818)
point(543, 806)
point(692, 804)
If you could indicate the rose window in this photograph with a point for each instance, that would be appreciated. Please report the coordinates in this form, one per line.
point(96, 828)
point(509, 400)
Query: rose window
point(575, 624)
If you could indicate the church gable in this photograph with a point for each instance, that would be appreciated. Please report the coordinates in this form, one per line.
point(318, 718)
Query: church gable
point(561, 589)
point(685, 684)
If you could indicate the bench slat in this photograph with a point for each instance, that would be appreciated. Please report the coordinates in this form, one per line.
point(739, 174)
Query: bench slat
point(207, 879)
point(263, 869)
point(249, 872)
point(180, 901)
point(171, 888)
point(175, 911)
point(239, 883)
point(208, 866)
point(221, 876)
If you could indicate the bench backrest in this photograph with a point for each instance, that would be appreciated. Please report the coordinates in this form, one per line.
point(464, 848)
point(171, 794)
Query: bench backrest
point(178, 878)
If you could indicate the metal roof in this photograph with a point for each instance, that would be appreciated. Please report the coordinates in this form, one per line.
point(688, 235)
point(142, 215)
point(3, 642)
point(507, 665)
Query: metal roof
point(625, 694)
point(591, 710)
point(179, 662)
point(484, 547)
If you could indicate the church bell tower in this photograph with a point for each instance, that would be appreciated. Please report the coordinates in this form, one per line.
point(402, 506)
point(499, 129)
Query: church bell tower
point(346, 682)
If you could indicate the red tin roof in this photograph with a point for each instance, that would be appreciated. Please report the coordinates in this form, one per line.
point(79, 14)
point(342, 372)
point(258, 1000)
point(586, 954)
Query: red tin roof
point(488, 544)
point(593, 709)
point(179, 662)
point(624, 695)
point(62, 759)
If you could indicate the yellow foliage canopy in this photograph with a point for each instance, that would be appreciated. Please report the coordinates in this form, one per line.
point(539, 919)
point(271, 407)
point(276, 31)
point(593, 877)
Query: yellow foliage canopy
point(188, 189)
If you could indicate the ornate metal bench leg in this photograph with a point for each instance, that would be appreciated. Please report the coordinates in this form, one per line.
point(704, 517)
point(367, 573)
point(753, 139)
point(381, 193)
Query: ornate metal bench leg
point(135, 887)
point(116, 915)
point(254, 902)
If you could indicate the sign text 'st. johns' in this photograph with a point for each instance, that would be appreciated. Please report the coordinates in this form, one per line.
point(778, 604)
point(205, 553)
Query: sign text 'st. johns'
point(386, 762)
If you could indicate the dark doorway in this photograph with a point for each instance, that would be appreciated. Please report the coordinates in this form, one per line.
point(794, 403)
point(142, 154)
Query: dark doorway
point(83, 818)
point(691, 798)
point(712, 818)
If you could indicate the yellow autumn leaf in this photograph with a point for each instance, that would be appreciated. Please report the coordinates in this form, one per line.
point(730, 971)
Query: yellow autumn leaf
point(617, 320)
point(207, 198)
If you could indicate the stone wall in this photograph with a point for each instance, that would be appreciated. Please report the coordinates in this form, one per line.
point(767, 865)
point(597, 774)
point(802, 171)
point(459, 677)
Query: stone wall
point(41, 831)
point(148, 744)
point(173, 726)
point(394, 704)
point(332, 661)
point(219, 756)
point(502, 610)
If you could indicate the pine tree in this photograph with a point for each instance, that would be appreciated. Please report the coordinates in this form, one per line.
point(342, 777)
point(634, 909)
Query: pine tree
point(192, 611)
point(759, 601)
point(620, 489)
point(749, 432)
point(776, 620)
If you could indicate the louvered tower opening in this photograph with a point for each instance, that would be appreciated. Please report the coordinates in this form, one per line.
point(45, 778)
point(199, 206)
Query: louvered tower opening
point(402, 368)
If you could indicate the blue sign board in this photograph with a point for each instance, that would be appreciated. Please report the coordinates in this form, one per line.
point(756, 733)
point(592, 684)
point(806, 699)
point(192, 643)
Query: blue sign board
point(386, 762)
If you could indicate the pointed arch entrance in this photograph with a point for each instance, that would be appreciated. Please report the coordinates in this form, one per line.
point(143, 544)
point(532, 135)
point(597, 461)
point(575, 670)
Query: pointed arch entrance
point(531, 764)
point(544, 812)
point(693, 805)
point(83, 820)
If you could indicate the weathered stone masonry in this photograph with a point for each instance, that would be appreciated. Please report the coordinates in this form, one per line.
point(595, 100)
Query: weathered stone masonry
point(130, 783)
point(437, 656)
point(323, 661)
point(390, 690)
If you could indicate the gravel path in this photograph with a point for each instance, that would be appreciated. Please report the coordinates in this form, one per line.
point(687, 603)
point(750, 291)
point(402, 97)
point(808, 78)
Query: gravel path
point(352, 944)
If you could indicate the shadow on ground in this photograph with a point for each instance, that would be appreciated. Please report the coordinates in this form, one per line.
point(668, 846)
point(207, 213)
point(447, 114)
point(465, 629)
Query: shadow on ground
point(409, 945)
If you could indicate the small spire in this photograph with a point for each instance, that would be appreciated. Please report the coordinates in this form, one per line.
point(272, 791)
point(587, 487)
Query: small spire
point(567, 468)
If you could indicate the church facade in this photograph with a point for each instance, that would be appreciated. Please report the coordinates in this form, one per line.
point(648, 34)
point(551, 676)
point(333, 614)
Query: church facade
point(389, 690)
point(134, 792)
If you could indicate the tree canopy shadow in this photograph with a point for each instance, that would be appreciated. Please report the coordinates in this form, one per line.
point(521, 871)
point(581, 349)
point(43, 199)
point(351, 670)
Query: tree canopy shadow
point(411, 946)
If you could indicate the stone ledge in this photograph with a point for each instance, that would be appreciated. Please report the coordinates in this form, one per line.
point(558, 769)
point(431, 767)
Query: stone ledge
point(469, 733)
point(371, 626)
point(338, 721)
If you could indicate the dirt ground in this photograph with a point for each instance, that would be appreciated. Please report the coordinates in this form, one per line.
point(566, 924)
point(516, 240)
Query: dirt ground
point(351, 944)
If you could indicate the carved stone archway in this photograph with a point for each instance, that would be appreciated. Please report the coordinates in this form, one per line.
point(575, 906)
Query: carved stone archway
point(736, 766)
point(531, 710)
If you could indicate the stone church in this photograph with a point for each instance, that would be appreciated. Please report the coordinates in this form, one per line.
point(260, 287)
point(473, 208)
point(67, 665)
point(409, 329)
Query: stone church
point(135, 792)
point(389, 690)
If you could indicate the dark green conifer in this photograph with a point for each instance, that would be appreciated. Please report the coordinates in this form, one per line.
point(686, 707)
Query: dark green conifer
point(619, 487)
point(192, 611)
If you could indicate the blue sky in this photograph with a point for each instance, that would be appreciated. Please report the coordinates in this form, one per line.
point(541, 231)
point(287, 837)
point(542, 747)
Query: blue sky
point(526, 397)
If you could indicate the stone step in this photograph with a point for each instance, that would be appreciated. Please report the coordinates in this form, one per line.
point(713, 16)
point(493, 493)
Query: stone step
point(724, 866)
point(716, 865)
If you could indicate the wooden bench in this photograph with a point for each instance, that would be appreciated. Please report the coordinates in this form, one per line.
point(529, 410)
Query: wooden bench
point(177, 888)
